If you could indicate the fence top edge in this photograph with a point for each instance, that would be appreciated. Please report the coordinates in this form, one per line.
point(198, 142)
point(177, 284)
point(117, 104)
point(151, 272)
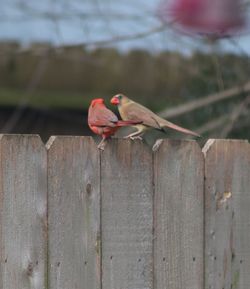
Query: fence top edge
point(18, 136)
point(53, 139)
point(192, 147)
point(212, 142)
point(161, 142)
point(165, 142)
point(121, 145)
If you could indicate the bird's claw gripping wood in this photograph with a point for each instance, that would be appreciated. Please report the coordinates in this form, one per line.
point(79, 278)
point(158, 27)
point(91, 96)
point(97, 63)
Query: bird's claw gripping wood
point(136, 137)
point(102, 145)
point(133, 137)
point(157, 144)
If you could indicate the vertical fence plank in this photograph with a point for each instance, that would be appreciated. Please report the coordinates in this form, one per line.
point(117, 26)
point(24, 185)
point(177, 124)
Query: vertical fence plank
point(127, 219)
point(178, 211)
point(23, 212)
point(73, 213)
point(227, 217)
point(137, 189)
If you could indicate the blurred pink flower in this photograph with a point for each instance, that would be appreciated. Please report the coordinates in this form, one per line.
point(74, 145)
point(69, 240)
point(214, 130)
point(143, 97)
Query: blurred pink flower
point(211, 17)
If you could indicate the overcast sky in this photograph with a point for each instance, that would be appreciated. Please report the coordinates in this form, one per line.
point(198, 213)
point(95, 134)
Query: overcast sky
point(88, 21)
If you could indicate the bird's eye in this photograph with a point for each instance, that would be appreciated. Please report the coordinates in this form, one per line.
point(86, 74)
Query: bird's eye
point(120, 96)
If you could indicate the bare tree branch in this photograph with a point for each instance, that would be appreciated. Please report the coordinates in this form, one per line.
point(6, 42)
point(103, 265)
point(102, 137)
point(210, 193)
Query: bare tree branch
point(36, 77)
point(70, 15)
point(121, 38)
point(215, 124)
point(243, 123)
point(212, 125)
point(236, 113)
point(195, 104)
point(219, 76)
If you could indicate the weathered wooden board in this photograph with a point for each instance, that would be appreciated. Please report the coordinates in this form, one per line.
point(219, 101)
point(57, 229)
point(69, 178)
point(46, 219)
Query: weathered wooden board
point(127, 215)
point(74, 213)
point(125, 218)
point(227, 214)
point(23, 212)
point(178, 215)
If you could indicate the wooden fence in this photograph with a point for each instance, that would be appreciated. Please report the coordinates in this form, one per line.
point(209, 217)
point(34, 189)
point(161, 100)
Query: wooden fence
point(127, 218)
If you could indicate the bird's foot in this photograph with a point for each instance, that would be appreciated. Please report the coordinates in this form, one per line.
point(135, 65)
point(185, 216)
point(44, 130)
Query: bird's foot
point(136, 137)
point(133, 137)
point(101, 146)
point(157, 144)
point(127, 136)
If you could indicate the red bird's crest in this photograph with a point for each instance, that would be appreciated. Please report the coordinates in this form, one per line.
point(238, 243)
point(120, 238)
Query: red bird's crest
point(103, 121)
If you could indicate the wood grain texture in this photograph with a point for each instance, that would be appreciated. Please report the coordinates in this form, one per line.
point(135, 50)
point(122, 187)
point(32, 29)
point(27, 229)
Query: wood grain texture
point(227, 218)
point(74, 213)
point(127, 215)
point(178, 215)
point(23, 212)
point(125, 218)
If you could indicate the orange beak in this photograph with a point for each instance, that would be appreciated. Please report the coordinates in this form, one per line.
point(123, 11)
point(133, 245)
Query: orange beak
point(114, 100)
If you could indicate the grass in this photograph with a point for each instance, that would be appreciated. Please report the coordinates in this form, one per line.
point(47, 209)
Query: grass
point(62, 99)
point(45, 99)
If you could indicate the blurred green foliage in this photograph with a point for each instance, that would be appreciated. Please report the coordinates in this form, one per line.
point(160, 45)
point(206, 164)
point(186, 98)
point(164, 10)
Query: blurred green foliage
point(72, 76)
point(45, 99)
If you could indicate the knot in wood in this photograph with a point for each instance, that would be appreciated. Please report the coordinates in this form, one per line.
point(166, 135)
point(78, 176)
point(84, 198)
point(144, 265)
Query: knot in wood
point(88, 188)
point(30, 269)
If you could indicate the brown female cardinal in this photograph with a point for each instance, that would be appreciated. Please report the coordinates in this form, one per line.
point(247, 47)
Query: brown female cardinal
point(129, 109)
point(103, 121)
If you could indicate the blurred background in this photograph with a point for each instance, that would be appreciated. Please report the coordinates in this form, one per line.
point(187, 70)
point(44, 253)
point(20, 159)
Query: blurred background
point(185, 59)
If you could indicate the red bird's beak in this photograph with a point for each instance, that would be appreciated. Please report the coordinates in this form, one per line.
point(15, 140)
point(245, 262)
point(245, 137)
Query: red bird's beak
point(114, 100)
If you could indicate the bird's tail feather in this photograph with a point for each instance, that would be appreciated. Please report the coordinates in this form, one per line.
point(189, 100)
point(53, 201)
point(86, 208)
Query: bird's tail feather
point(171, 125)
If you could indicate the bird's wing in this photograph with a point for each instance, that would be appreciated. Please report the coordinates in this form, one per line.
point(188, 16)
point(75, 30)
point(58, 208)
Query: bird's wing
point(102, 116)
point(139, 112)
point(136, 111)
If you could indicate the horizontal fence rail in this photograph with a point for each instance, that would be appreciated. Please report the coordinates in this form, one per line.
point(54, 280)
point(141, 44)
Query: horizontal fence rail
point(72, 217)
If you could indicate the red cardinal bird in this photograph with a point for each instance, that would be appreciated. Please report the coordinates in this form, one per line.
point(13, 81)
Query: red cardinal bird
point(103, 121)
